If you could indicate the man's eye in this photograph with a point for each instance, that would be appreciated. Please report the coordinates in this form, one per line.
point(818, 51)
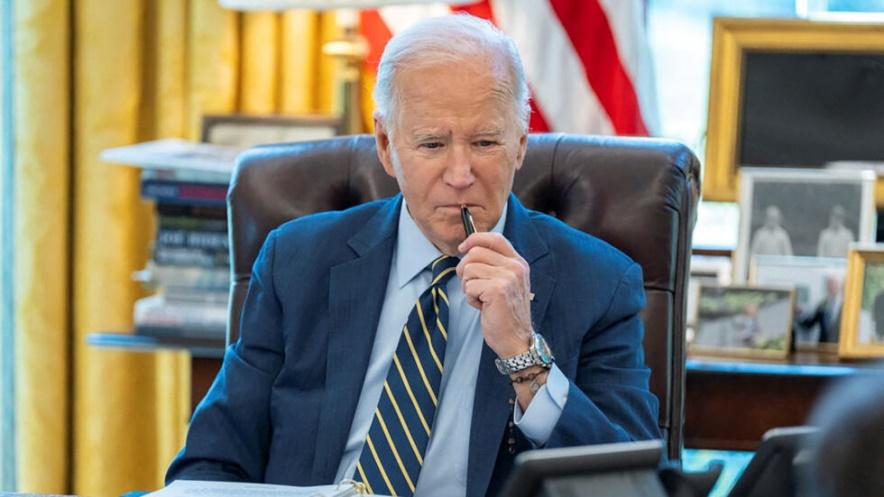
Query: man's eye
point(486, 143)
point(431, 145)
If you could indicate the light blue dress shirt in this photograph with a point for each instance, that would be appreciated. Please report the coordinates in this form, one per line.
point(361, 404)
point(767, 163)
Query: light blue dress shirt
point(444, 471)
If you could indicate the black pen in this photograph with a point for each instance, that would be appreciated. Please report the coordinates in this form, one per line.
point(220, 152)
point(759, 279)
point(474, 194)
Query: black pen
point(467, 219)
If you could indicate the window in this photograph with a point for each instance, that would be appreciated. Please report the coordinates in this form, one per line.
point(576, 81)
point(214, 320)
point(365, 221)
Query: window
point(7, 324)
point(680, 35)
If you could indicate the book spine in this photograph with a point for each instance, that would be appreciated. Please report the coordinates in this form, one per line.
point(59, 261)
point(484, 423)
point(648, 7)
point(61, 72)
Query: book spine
point(190, 277)
point(192, 223)
point(186, 175)
point(209, 194)
point(189, 296)
point(157, 311)
point(185, 256)
point(195, 211)
point(211, 240)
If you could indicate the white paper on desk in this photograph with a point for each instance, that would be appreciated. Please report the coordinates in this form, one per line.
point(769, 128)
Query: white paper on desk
point(187, 488)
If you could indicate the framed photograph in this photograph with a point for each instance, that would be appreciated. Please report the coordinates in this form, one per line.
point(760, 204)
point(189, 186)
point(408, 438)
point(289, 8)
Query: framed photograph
point(862, 321)
point(743, 321)
point(803, 213)
point(818, 283)
point(244, 131)
point(791, 93)
point(717, 227)
point(706, 270)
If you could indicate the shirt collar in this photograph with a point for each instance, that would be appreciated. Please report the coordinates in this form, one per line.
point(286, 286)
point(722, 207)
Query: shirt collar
point(414, 251)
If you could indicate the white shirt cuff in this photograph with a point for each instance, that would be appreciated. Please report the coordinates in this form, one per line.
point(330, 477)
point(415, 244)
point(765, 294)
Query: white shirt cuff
point(543, 413)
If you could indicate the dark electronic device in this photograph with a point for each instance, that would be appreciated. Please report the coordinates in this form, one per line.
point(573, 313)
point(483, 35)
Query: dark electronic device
point(774, 468)
point(608, 470)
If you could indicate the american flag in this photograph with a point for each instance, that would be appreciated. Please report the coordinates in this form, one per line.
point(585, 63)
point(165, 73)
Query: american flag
point(587, 61)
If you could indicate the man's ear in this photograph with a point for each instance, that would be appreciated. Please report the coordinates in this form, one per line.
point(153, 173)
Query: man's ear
point(383, 143)
point(523, 146)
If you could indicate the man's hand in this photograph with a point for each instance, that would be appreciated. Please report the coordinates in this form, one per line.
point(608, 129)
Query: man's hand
point(496, 281)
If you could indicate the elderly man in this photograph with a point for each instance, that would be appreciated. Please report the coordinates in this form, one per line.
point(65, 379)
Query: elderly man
point(835, 239)
point(771, 238)
point(383, 344)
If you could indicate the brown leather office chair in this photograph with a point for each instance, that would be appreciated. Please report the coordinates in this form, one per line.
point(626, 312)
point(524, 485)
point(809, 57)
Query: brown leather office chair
point(640, 195)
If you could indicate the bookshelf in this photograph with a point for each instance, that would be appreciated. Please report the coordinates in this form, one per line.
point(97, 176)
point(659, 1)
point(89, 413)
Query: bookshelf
point(189, 268)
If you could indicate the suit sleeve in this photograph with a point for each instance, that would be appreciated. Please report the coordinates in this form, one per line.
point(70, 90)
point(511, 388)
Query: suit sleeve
point(608, 400)
point(230, 431)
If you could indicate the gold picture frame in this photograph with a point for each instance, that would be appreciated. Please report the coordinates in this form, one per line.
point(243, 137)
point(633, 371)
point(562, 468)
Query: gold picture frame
point(809, 276)
point(742, 321)
point(732, 39)
point(244, 131)
point(860, 337)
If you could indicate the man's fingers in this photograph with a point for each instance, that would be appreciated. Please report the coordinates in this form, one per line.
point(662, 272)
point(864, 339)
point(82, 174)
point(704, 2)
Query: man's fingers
point(483, 255)
point(492, 241)
point(481, 291)
point(511, 271)
point(479, 270)
point(473, 301)
point(472, 290)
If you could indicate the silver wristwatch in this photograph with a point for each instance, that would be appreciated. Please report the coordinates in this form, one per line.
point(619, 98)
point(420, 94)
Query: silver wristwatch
point(538, 354)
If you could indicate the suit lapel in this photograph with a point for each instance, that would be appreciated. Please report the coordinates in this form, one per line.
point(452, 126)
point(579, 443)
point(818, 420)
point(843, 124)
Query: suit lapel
point(356, 294)
point(492, 406)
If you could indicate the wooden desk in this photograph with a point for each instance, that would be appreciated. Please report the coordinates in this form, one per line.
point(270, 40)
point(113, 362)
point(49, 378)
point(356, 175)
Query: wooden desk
point(730, 404)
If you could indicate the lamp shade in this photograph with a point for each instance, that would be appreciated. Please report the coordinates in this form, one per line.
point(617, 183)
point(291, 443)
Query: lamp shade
point(324, 4)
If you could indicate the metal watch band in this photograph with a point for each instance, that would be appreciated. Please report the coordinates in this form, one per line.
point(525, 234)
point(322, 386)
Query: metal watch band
point(515, 363)
point(538, 354)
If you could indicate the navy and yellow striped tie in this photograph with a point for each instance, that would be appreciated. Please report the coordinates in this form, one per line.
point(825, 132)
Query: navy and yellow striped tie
point(394, 449)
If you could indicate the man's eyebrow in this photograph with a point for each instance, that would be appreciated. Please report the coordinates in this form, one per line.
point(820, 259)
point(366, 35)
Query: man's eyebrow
point(427, 134)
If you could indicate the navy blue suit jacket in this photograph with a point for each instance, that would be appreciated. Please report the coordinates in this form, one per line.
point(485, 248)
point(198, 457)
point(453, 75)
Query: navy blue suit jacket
point(280, 409)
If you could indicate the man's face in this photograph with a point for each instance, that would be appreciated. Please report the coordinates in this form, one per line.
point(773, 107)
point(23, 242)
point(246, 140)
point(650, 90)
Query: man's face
point(454, 140)
point(833, 285)
point(772, 217)
point(836, 219)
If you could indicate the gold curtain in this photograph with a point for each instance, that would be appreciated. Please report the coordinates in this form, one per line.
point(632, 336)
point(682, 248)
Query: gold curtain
point(94, 74)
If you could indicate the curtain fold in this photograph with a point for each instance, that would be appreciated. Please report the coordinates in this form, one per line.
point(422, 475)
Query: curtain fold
point(259, 79)
point(298, 52)
point(95, 74)
point(109, 243)
point(164, 114)
point(42, 210)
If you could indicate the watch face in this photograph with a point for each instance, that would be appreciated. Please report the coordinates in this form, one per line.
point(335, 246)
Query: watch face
point(542, 349)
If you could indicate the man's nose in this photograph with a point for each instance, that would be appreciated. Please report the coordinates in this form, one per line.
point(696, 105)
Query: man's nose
point(459, 172)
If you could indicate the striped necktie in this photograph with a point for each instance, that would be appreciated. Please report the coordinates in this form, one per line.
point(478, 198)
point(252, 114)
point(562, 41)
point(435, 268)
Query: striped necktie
point(394, 449)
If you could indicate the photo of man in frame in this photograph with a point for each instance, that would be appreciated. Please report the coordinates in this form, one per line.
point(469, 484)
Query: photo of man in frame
point(771, 238)
point(835, 239)
point(804, 218)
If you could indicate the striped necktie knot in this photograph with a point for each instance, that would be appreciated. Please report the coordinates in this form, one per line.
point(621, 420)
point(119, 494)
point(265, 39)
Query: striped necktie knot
point(443, 268)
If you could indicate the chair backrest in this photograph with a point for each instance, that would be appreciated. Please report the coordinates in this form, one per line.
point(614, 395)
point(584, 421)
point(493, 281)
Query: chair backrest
point(638, 194)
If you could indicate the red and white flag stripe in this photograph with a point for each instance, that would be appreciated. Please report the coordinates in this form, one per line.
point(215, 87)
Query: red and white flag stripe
point(587, 61)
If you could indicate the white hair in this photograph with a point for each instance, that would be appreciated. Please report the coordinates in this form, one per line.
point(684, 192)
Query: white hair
point(450, 39)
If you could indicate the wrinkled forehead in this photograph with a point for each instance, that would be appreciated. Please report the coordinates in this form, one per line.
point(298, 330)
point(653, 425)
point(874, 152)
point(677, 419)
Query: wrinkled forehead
point(455, 85)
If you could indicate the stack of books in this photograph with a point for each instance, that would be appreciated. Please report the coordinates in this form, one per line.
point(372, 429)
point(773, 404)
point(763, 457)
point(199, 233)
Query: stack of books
point(189, 267)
